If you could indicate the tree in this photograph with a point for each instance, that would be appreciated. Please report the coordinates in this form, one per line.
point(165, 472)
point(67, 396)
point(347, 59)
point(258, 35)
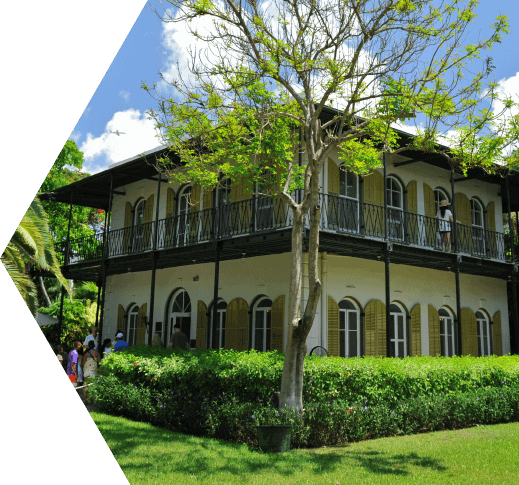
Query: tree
point(31, 244)
point(269, 69)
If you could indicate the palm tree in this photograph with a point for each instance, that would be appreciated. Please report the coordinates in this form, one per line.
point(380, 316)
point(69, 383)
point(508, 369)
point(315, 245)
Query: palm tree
point(31, 244)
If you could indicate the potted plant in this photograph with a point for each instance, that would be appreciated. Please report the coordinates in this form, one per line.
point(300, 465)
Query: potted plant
point(275, 432)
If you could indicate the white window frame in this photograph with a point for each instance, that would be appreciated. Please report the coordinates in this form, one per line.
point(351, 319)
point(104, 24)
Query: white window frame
point(221, 320)
point(399, 338)
point(478, 231)
point(444, 337)
point(344, 334)
point(174, 315)
point(355, 200)
point(394, 222)
point(133, 322)
point(267, 312)
point(183, 214)
point(439, 195)
point(483, 323)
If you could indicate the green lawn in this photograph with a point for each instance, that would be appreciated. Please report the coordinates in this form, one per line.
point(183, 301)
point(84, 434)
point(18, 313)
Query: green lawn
point(150, 455)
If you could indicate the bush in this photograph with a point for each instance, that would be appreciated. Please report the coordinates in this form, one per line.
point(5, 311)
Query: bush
point(227, 394)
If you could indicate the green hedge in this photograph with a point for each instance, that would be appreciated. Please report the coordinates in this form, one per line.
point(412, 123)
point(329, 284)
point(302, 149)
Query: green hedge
point(255, 376)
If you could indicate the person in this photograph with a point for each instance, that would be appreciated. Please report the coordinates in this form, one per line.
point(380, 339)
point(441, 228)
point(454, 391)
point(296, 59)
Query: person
point(156, 341)
point(72, 366)
point(179, 339)
point(107, 344)
point(80, 352)
point(444, 216)
point(120, 344)
point(90, 363)
point(93, 337)
point(62, 356)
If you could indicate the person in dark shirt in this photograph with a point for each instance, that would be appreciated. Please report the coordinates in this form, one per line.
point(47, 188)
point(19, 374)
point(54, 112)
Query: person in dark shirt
point(179, 339)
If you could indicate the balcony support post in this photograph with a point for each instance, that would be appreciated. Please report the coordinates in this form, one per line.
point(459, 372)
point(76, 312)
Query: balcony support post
point(386, 220)
point(388, 305)
point(155, 232)
point(510, 221)
point(98, 298)
point(514, 328)
point(214, 320)
point(105, 253)
point(454, 232)
point(67, 250)
point(459, 345)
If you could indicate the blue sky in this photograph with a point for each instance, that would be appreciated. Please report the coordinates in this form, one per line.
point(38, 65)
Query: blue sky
point(120, 104)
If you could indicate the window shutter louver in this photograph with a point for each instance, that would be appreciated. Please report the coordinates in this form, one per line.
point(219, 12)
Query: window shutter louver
point(497, 334)
point(429, 201)
point(127, 226)
point(201, 325)
point(148, 218)
point(140, 335)
point(469, 332)
point(434, 332)
point(333, 328)
point(375, 329)
point(412, 197)
point(334, 175)
point(237, 325)
point(416, 331)
point(170, 203)
point(374, 188)
point(278, 324)
point(208, 199)
point(120, 319)
point(491, 216)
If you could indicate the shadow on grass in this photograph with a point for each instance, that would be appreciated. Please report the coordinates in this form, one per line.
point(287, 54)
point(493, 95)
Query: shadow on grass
point(139, 447)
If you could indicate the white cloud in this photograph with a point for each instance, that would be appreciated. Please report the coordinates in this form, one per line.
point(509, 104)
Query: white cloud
point(76, 135)
point(100, 152)
point(125, 95)
point(508, 87)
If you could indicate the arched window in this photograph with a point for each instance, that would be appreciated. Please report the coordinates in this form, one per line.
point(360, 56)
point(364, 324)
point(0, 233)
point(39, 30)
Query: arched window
point(349, 329)
point(131, 329)
point(478, 226)
point(483, 333)
point(439, 195)
point(261, 324)
point(448, 347)
point(397, 332)
point(216, 334)
point(344, 211)
point(179, 314)
point(184, 206)
point(395, 207)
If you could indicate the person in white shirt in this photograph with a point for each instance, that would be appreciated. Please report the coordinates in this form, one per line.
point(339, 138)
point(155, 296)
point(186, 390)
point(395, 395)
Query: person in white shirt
point(93, 336)
point(445, 218)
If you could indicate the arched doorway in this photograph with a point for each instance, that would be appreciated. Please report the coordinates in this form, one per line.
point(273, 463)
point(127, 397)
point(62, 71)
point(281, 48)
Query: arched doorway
point(179, 313)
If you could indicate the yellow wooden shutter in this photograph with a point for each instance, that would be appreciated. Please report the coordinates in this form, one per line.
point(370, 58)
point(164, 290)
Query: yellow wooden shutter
point(170, 203)
point(416, 331)
point(375, 329)
point(412, 197)
point(120, 319)
point(497, 334)
point(140, 335)
point(201, 325)
point(196, 192)
point(148, 218)
point(374, 188)
point(333, 328)
point(464, 215)
point(208, 199)
point(434, 332)
point(469, 332)
point(334, 176)
point(127, 230)
point(237, 325)
point(278, 324)
point(491, 239)
point(429, 201)
point(491, 216)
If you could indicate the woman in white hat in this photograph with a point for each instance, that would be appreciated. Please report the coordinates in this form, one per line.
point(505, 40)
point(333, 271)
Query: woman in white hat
point(444, 226)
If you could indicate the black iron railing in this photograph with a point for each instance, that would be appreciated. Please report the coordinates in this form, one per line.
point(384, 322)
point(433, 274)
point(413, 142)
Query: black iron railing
point(338, 214)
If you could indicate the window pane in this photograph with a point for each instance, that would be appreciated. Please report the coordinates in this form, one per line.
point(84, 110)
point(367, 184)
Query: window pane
point(342, 318)
point(451, 348)
point(343, 182)
point(401, 352)
point(392, 328)
point(400, 327)
point(442, 343)
point(442, 326)
point(258, 345)
point(259, 319)
point(392, 349)
point(352, 320)
point(342, 337)
point(352, 185)
point(352, 347)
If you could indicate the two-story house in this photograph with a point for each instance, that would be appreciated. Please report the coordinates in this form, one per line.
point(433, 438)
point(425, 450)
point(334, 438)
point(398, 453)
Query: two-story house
point(171, 253)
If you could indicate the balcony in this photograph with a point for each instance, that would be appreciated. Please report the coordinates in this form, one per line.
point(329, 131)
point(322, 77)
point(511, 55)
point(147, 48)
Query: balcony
point(339, 215)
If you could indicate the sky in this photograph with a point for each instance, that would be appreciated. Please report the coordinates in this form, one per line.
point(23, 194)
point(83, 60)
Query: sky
point(151, 46)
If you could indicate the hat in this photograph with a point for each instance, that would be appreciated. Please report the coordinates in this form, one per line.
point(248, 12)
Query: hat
point(444, 203)
point(119, 335)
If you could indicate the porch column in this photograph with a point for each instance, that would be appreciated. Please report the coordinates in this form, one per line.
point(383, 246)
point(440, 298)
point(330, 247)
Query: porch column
point(155, 229)
point(458, 310)
point(454, 232)
point(215, 292)
point(103, 261)
point(386, 219)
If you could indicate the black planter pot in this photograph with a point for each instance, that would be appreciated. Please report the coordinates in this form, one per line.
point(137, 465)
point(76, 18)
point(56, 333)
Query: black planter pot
point(274, 438)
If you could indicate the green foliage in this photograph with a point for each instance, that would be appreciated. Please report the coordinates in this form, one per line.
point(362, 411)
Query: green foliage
point(78, 318)
point(227, 394)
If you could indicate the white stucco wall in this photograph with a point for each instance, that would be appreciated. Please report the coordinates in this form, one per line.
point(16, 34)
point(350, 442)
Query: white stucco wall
point(342, 277)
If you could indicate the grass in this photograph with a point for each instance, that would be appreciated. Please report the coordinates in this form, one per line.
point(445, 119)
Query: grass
point(150, 455)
